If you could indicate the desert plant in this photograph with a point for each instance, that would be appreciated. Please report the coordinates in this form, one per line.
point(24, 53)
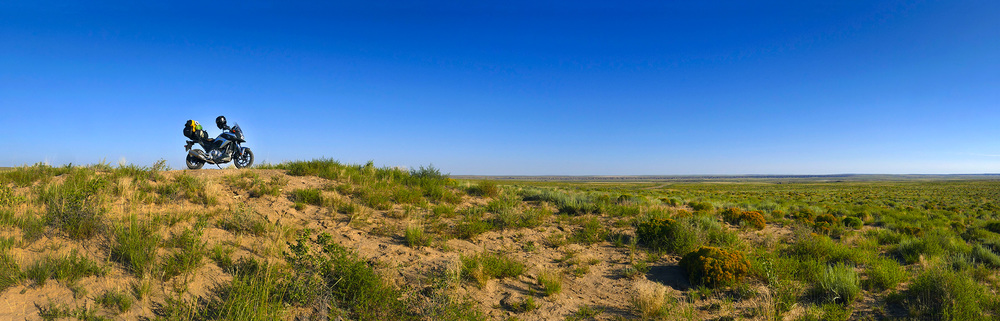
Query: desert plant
point(486, 188)
point(712, 266)
point(68, 268)
point(591, 231)
point(255, 293)
point(947, 295)
point(650, 300)
point(485, 266)
point(188, 254)
point(415, 236)
point(550, 281)
point(243, 219)
point(308, 196)
point(116, 299)
point(853, 222)
point(76, 206)
point(839, 284)
point(884, 274)
point(135, 245)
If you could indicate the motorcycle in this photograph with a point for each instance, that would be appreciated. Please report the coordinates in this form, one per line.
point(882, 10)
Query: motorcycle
point(223, 149)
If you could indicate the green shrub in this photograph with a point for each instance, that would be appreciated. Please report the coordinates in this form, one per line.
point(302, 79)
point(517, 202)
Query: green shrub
point(135, 246)
point(986, 256)
point(947, 295)
point(485, 188)
point(701, 206)
point(884, 274)
point(483, 267)
point(839, 284)
point(592, 231)
point(668, 235)
point(714, 267)
point(350, 280)
point(853, 222)
point(192, 188)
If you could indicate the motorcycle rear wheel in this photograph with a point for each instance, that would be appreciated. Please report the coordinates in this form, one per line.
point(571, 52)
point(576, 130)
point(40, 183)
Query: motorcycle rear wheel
point(245, 159)
point(194, 163)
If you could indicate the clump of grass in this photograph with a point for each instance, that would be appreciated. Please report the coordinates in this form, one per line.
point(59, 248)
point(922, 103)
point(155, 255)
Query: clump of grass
point(115, 299)
point(485, 266)
point(255, 293)
point(650, 300)
point(415, 236)
point(243, 219)
point(472, 223)
point(942, 292)
point(76, 206)
point(68, 269)
point(135, 245)
point(255, 185)
point(550, 281)
point(591, 231)
point(32, 226)
point(584, 312)
point(884, 274)
point(348, 279)
point(188, 252)
point(527, 304)
point(486, 188)
point(54, 311)
point(190, 187)
point(10, 272)
point(222, 255)
point(839, 284)
point(27, 175)
point(308, 196)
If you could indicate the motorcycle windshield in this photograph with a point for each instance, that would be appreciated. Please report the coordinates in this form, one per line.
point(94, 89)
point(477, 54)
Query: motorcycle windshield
point(238, 132)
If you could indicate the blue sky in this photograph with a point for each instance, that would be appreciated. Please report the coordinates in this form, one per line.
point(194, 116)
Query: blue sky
point(513, 87)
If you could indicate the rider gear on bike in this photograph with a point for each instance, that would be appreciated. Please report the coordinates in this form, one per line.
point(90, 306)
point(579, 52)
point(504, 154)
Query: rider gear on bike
point(221, 123)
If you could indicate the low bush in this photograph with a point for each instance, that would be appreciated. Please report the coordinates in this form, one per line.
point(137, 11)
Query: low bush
point(853, 222)
point(714, 267)
point(941, 293)
point(591, 231)
point(485, 188)
point(701, 206)
point(737, 216)
point(322, 267)
point(883, 274)
point(839, 284)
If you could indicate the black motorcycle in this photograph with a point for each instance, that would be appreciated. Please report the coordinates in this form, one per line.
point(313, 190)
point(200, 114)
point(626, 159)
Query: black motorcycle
point(221, 150)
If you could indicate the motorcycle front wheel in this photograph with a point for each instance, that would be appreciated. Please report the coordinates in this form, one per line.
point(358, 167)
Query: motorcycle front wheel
point(193, 162)
point(244, 159)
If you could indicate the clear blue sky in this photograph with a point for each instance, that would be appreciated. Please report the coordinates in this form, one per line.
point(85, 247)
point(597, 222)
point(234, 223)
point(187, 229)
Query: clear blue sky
point(513, 87)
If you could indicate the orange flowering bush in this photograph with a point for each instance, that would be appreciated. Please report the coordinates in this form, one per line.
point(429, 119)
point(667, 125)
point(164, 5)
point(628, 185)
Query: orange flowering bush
point(736, 216)
point(715, 267)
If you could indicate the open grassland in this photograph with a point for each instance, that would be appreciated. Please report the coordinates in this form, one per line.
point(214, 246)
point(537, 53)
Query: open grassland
point(319, 240)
